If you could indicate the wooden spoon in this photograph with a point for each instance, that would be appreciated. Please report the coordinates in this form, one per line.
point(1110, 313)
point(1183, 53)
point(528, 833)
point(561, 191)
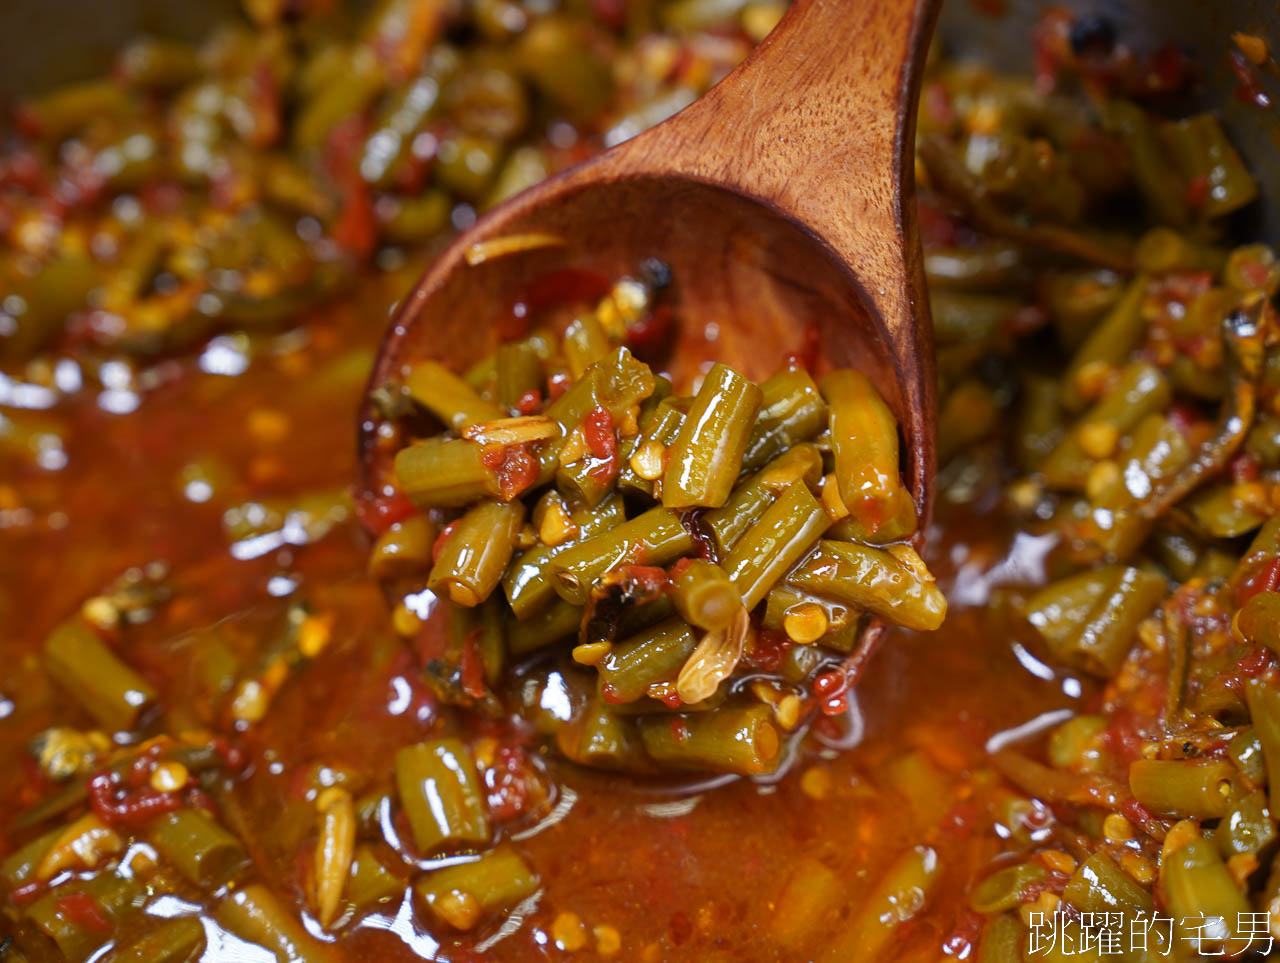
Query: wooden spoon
point(782, 200)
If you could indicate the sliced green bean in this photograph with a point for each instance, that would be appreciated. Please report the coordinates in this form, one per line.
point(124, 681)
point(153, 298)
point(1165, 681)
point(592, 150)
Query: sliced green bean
point(441, 795)
point(403, 549)
point(841, 619)
point(114, 897)
point(475, 554)
point(193, 842)
point(529, 583)
point(1245, 750)
point(655, 538)
point(1003, 889)
point(659, 429)
point(1162, 250)
point(1247, 828)
point(811, 894)
point(444, 473)
point(1002, 940)
point(995, 265)
point(108, 689)
point(448, 396)
point(704, 460)
point(785, 532)
point(654, 655)
point(872, 579)
point(728, 739)
point(1154, 174)
point(864, 441)
point(749, 500)
point(1110, 342)
point(1264, 712)
point(1100, 886)
point(602, 740)
point(19, 866)
point(551, 623)
point(519, 373)
point(585, 343)
point(177, 940)
point(1141, 390)
point(588, 480)
point(461, 894)
point(703, 594)
point(792, 410)
point(255, 914)
point(371, 882)
point(1199, 889)
point(1182, 788)
point(615, 383)
point(1200, 149)
point(1100, 644)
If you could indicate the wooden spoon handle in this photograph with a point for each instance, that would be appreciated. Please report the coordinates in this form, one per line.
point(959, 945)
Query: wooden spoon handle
point(819, 121)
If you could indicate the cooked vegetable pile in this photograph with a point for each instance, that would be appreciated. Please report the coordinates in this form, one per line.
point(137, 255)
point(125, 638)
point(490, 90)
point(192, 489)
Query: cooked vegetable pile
point(1097, 232)
point(640, 530)
point(247, 181)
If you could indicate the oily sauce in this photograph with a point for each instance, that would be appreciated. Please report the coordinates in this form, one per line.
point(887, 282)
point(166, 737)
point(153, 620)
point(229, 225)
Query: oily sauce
point(664, 872)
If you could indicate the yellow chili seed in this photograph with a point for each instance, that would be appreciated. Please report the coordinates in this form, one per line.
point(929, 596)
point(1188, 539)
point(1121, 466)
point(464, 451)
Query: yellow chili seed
point(608, 940)
point(766, 692)
point(405, 621)
point(250, 702)
point(1116, 829)
point(805, 623)
point(787, 711)
point(1102, 478)
point(314, 634)
point(557, 527)
point(101, 612)
point(985, 118)
point(816, 783)
point(568, 932)
point(1058, 861)
point(649, 460)
point(1098, 440)
point(169, 777)
point(1141, 868)
point(1024, 495)
point(1180, 834)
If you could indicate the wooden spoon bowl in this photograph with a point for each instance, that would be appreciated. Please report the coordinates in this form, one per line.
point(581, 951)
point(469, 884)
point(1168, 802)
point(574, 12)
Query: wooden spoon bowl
point(781, 200)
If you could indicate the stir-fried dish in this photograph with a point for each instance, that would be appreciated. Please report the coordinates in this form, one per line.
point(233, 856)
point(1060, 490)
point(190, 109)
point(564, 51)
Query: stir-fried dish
point(577, 681)
point(659, 522)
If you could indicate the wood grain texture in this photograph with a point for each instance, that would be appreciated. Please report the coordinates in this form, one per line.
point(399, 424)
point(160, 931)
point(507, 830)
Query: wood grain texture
point(783, 198)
